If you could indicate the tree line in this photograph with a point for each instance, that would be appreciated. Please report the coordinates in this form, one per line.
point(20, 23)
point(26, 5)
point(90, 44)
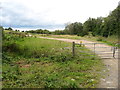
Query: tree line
point(39, 31)
point(105, 27)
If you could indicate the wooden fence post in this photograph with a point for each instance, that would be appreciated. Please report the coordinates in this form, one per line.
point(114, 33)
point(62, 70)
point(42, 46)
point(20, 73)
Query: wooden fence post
point(73, 49)
point(94, 49)
point(114, 52)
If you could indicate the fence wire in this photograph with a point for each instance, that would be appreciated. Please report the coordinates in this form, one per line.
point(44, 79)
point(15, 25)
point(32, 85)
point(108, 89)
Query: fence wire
point(102, 50)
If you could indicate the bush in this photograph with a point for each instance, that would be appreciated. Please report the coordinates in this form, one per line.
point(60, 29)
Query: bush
point(83, 33)
point(10, 44)
point(11, 47)
point(99, 39)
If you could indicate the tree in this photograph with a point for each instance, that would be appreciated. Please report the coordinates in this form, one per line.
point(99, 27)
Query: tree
point(74, 28)
point(89, 25)
point(98, 26)
point(10, 28)
point(59, 32)
point(111, 24)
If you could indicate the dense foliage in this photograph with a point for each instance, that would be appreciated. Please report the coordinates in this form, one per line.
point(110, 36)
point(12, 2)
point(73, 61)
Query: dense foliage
point(105, 27)
point(39, 31)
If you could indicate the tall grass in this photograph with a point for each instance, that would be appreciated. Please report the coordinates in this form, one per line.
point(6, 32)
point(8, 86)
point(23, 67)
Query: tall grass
point(42, 63)
point(36, 47)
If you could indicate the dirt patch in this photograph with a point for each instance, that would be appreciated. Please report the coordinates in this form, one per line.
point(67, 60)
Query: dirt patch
point(43, 63)
point(23, 64)
point(20, 62)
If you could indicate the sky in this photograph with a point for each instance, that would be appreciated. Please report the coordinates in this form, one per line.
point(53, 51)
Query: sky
point(51, 14)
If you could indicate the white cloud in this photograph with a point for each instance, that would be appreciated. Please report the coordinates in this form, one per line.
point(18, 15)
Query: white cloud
point(51, 13)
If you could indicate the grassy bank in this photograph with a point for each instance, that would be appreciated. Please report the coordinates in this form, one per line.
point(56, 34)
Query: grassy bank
point(40, 63)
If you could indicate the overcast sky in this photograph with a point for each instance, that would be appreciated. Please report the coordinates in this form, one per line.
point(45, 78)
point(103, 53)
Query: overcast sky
point(51, 14)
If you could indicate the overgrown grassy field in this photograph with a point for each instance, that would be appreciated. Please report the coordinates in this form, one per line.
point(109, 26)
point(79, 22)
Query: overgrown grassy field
point(40, 63)
point(112, 40)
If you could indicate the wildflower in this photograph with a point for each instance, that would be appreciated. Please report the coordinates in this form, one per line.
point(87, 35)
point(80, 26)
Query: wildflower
point(73, 79)
point(42, 54)
point(92, 80)
point(77, 76)
point(53, 48)
point(61, 48)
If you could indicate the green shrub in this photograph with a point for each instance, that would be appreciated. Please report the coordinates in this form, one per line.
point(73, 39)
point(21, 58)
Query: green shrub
point(99, 39)
point(83, 33)
point(11, 47)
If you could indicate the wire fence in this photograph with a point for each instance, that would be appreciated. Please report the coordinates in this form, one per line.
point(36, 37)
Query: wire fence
point(102, 50)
